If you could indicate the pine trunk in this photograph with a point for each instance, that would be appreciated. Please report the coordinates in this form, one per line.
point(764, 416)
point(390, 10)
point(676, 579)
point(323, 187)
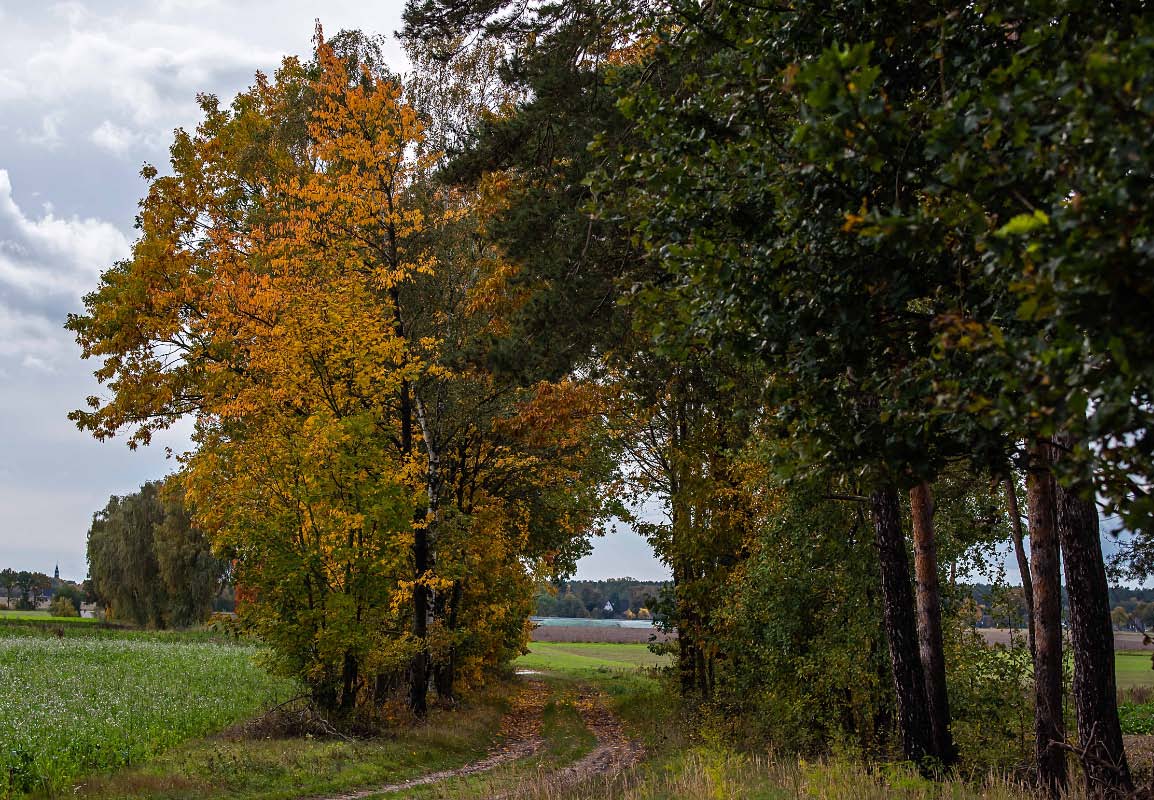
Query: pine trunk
point(1045, 566)
point(1020, 554)
point(929, 608)
point(1092, 638)
point(900, 625)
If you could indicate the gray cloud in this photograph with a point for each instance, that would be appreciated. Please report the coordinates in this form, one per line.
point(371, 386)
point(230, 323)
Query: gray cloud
point(88, 92)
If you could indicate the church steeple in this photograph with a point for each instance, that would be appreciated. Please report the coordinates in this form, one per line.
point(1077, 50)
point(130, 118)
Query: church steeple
point(57, 575)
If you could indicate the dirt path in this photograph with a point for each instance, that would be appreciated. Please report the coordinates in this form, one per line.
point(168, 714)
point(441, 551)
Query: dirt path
point(614, 753)
point(521, 738)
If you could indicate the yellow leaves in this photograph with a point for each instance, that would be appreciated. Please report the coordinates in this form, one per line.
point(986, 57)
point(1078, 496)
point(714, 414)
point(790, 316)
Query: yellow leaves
point(852, 221)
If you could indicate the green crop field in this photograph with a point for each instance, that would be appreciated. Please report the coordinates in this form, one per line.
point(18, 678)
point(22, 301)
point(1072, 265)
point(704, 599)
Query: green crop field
point(578, 656)
point(40, 616)
point(1133, 669)
point(77, 704)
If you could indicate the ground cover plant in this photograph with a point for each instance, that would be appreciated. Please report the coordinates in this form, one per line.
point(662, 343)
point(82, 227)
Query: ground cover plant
point(76, 704)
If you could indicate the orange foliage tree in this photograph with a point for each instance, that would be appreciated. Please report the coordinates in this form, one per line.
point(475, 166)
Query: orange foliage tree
point(306, 291)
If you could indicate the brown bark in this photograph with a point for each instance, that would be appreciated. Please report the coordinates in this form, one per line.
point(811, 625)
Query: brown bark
point(900, 625)
point(1092, 638)
point(1020, 555)
point(1049, 728)
point(419, 666)
point(929, 608)
point(445, 673)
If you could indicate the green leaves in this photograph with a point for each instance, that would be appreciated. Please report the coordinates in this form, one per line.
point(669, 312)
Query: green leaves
point(1023, 224)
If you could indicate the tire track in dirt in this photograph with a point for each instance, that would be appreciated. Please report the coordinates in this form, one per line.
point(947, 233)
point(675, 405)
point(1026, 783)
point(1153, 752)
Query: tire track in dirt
point(521, 738)
point(614, 753)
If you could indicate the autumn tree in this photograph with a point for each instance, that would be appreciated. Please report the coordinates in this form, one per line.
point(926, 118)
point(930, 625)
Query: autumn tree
point(306, 290)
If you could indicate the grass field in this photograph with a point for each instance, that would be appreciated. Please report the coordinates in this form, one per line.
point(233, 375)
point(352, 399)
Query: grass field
point(75, 704)
point(1133, 669)
point(40, 616)
point(583, 656)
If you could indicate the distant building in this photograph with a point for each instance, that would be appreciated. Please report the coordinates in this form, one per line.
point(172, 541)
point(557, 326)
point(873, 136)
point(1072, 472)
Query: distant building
point(608, 607)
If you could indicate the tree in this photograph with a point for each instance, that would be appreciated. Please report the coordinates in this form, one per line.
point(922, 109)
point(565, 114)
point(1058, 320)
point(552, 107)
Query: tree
point(70, 594)
point(383, 499)
point(192, 575)
point(8, 579)
point(148, 565)
point(63, 607)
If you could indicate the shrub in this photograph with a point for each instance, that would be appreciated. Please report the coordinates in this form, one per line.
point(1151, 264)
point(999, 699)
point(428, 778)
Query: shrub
point(62, 607)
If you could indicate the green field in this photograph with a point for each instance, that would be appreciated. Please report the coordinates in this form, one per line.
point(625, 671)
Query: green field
point(73, 704)
point(40, 616)
point(1133, 669)
point(101, 713)
point(583, 656)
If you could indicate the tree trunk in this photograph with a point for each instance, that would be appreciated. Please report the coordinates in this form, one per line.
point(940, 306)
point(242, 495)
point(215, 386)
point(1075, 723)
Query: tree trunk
point(349, 680)
point(1020, 555)
point(900, 625)
point(419, 666)
point(929, 608)
point(446, 672)
point(1092, 638)
point(1049, 728)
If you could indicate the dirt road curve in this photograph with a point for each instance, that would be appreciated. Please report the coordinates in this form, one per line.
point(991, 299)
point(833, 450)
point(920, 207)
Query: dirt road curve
point(614, 753)
point(521, 738)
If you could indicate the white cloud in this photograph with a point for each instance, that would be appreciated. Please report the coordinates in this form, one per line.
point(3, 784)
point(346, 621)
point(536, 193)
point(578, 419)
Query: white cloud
point(113, 137)
point(38, 364)
point(27, 336)
point(51, 255)
point(48, 134)
point(146, 70)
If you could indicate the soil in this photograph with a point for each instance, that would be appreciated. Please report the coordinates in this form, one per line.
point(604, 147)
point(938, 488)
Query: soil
point(614, 753)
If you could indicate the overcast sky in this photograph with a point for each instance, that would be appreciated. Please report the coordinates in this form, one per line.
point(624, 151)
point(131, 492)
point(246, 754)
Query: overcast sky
point(89, 91)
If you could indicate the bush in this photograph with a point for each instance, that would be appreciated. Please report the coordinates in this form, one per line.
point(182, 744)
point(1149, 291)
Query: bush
point(62, 607)
point(805, 667)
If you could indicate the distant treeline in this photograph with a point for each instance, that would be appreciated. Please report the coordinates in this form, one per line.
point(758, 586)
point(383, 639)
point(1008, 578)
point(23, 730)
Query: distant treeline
point(628, 598)
point(1004, 606)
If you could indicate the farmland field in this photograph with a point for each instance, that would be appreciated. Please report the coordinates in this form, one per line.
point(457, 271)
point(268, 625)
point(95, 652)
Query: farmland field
point(569, 656)
point(78, 704)
point(1133, 669)
point(40, 616)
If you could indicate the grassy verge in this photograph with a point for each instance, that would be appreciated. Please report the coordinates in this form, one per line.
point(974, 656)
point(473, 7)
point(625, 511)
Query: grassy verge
point(684, 762)
point(280, 769)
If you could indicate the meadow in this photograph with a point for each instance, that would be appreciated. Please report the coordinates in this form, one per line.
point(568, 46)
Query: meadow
point(73, 704)
point(103, 713)
point(7, 615)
